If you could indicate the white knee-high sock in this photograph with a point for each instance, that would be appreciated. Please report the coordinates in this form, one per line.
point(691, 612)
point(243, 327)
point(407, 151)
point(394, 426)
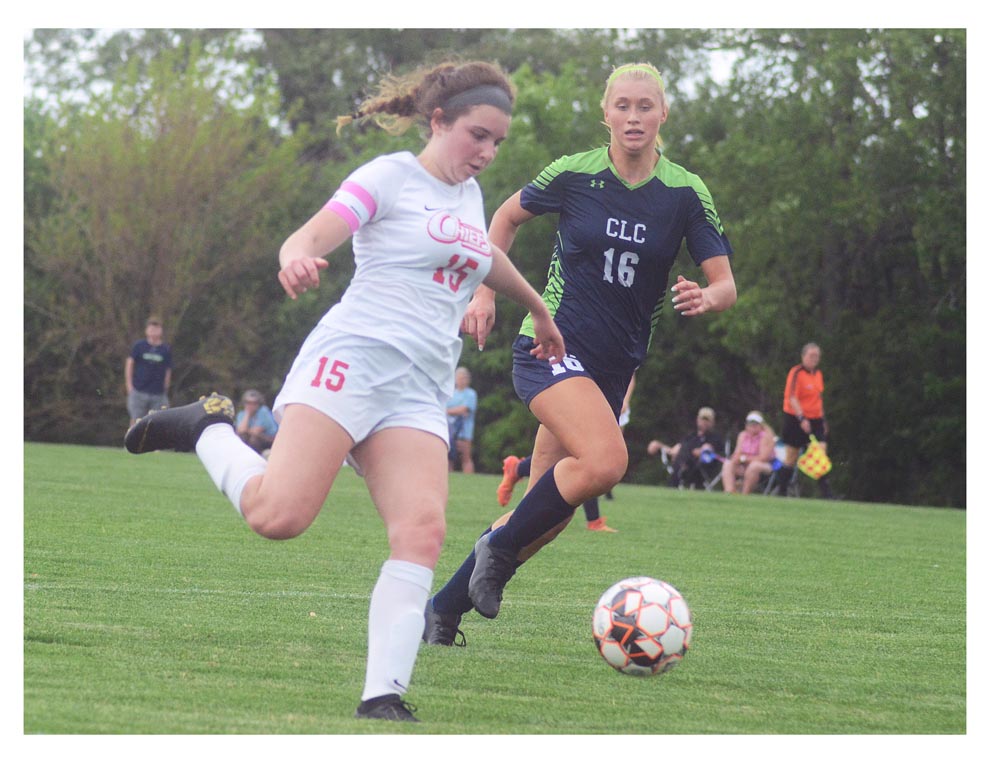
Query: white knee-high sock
point(228, 460)
point(395, 626)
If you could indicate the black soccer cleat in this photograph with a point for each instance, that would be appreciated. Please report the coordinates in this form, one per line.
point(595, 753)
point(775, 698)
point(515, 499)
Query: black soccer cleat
point(388, 707)
point(178, 428)
point(493, 567)
point(442, 629)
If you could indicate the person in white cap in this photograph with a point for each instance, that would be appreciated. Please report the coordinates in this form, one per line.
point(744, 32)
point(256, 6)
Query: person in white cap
point(752, 456)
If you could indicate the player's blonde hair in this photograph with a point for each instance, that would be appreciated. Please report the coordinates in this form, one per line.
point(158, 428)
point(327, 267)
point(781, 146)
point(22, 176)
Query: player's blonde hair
point(403, 101)
point(641, 71)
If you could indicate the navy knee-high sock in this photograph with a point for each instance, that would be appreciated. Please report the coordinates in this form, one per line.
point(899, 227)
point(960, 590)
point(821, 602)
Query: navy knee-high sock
point(591, 512)
point(541, 508)
point(522, 468)
point(453, 598)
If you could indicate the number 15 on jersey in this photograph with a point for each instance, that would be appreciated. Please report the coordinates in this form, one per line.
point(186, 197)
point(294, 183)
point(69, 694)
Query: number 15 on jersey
point(334, 376)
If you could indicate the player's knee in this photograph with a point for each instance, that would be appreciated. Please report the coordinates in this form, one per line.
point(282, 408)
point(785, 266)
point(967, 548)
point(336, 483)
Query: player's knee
point(420, 537)
point(279, 521)
point(606, 472)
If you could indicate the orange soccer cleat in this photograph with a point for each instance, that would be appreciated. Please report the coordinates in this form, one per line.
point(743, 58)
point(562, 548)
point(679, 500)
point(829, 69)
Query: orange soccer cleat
point(509, 480)
point(598, 525)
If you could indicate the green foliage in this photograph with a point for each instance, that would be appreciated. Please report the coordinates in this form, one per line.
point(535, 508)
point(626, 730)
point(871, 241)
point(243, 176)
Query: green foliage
point(171, 195)
point(150, 608)
point(843, 191)
point(836, 157)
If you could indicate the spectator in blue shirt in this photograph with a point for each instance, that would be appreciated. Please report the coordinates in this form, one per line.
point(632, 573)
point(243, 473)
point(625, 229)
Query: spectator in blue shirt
point(461, 408)
point(148, 372)
point(255, 423)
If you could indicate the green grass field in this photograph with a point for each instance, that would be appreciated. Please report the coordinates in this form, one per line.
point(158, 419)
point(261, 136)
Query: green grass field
point(150, 608)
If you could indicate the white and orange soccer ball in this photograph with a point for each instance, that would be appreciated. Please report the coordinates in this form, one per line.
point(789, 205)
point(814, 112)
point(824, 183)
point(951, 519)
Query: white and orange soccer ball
point(642, 626)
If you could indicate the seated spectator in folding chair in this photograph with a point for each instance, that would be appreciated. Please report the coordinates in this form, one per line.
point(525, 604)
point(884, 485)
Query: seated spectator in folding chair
point(255, 424)
point(753, 455)
point(685, 458)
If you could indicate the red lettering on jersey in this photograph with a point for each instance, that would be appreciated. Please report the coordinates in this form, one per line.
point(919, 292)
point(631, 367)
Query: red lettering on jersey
point(447, 229)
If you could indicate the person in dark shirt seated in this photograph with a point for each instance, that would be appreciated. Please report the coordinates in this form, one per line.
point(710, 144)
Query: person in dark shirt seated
point(685, 456)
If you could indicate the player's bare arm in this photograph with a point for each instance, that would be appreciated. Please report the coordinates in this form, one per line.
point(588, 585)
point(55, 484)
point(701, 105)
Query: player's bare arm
point(690, 298)
point(301, 256)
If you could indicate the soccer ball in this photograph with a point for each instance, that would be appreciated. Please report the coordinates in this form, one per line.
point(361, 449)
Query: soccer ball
point(642, 626)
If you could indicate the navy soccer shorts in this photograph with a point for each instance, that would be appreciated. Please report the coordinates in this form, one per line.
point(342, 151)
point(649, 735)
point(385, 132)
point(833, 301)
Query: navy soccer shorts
point(530, 376)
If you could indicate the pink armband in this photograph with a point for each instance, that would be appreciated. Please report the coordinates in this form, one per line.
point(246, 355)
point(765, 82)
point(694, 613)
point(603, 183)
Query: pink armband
point(354, 204)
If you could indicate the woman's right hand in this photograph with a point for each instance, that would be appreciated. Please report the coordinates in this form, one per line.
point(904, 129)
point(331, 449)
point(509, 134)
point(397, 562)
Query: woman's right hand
point(301, 257)
point(548, 341)
point(300, 274)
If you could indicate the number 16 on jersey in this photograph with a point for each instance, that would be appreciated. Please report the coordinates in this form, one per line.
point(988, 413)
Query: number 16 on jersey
point(569, 363)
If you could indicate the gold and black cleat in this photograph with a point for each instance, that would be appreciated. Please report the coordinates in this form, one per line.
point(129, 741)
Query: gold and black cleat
point(178, 428)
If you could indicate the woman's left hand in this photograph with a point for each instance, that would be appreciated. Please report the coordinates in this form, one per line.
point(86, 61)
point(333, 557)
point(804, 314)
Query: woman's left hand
point(689, 297)
point(720, 294)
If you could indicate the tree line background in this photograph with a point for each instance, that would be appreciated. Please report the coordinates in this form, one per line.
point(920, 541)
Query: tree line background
point(164, 168)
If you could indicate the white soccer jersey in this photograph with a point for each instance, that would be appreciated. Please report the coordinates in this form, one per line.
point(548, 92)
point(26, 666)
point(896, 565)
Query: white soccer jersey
point(420, 249)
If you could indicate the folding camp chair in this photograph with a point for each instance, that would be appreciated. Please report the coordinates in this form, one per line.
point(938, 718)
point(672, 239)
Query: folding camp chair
point(709, 467)
point(773, 484)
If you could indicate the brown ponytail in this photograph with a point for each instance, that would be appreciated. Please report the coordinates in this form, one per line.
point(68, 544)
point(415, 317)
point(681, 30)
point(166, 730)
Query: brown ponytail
point(413, 98)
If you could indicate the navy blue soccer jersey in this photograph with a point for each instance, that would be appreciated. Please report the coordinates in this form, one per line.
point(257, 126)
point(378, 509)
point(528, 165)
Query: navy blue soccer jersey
point(615, 246)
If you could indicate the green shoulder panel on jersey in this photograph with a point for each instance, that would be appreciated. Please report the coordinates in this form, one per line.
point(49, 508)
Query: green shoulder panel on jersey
point(655, 319)
point(551, 295)
point(675, 176)
point(588, 163)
